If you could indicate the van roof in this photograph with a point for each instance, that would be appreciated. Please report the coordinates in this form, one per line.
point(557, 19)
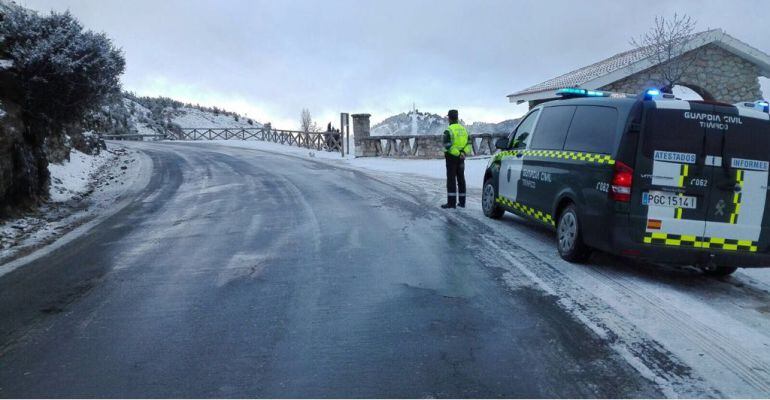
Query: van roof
point(624, 104)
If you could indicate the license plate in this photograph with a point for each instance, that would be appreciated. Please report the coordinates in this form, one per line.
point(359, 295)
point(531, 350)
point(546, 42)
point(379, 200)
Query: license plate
point(663, 199)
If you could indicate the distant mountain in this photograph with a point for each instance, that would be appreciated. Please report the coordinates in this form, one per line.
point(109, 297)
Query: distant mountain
point(506, 126)
point(420, 123)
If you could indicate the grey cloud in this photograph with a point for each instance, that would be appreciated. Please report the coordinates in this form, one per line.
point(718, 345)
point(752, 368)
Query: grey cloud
point(378, 56)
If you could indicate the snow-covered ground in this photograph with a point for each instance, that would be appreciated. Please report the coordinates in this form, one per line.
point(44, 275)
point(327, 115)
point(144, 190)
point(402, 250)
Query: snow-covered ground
point(72, 178)
point(474, 166)
point(694, 336)
point(83, 190)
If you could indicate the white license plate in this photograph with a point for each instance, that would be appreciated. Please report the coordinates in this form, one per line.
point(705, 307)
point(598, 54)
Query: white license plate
point(663, 199)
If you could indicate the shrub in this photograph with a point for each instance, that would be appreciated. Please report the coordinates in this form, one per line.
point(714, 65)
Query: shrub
point(64, 70)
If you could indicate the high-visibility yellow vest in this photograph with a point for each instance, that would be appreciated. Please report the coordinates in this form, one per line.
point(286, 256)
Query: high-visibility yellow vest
point(460, 143)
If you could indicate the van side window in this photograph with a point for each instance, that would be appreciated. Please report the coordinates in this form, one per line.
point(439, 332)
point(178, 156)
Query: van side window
point(593, 130)
point(552, 128)
point(524, 131)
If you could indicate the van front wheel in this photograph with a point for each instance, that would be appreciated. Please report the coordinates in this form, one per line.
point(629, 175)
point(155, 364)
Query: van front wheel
point(569, 241)
point(489, 201)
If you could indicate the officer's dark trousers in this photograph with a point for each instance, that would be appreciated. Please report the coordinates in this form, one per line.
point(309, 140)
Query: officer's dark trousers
point(455, 179)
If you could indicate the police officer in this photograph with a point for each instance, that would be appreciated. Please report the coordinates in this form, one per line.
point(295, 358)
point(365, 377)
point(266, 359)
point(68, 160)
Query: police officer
point(456, 147)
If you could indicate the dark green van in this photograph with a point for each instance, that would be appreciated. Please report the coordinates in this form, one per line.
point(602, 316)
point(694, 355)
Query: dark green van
point(649, 177)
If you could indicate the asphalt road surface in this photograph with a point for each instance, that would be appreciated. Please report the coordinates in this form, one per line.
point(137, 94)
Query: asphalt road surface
point(240, 273)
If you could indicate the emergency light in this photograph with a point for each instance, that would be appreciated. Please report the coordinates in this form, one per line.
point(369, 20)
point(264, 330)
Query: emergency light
point(656, 94)
point(578, 92)
point(760, 105)
point(653, 92)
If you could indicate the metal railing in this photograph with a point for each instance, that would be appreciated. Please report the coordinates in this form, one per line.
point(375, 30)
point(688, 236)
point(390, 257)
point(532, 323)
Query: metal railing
point(320, 141)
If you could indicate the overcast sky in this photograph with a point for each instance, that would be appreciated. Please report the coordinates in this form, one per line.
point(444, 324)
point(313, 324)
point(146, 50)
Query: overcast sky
point(269, 59)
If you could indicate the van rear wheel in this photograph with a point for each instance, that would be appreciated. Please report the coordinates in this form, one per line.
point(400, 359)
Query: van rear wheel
point(489, 201)
point(569, 241)
point(719, 271)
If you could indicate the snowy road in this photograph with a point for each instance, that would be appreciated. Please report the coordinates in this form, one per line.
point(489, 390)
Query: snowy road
point(241, 273)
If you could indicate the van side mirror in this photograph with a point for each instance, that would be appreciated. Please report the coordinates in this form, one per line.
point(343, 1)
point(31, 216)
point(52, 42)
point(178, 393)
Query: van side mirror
point(519, 142)
point(502, 143)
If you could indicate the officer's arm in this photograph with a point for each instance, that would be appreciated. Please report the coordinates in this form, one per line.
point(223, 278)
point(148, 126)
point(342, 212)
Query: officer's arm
point(447, 139)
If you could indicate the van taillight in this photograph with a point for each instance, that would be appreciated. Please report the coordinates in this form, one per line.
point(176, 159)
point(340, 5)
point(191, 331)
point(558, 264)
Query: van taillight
point(621, 182)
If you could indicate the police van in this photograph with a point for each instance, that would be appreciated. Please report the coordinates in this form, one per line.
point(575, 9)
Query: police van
point(648, 176)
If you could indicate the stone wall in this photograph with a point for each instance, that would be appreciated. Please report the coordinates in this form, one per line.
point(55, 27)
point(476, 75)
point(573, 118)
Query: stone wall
point(715, 73)
point(412, 146)
point(422, 146)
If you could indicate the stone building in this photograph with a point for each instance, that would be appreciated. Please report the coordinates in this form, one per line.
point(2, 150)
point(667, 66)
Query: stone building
point(723, 68)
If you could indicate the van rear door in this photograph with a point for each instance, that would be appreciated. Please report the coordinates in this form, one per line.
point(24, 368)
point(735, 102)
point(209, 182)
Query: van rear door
point(670, 196)
point(736, 219)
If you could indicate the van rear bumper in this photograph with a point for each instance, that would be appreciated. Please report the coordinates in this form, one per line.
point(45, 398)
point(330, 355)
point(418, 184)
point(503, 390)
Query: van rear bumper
point(623, 245)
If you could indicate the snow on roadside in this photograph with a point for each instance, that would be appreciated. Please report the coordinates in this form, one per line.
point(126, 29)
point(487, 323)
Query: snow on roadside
point(82, 190)
point(430, 168)
point(72, 178)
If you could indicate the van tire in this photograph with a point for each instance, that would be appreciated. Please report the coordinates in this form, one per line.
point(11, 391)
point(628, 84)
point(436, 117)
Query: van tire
point(569, 240)
point(718, 272)
point(489, 201)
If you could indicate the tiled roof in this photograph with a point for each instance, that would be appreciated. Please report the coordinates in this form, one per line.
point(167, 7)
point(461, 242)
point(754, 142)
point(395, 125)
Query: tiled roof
point(588, 73)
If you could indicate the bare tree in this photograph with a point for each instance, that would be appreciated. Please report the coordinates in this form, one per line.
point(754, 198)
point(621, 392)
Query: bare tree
point(666, 43)
point(306, 122)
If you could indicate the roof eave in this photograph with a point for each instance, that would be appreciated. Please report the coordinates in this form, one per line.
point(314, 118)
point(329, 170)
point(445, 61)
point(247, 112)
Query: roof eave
point(756, 56)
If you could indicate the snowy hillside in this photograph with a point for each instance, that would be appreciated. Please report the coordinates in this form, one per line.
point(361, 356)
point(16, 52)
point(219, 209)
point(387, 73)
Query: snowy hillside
point(419, 123)
point(187, 117)
point(506, 126)
point(129, 114)
point(140, 119)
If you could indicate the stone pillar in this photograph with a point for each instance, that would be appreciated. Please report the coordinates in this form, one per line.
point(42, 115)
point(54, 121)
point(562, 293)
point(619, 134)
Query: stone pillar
point(361, 130)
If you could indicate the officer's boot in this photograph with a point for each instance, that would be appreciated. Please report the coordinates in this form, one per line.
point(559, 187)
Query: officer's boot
point(450, 203)
point(461, 203)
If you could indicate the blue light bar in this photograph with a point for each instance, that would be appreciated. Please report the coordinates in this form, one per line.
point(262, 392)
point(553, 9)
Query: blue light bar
point(577, 92)
point(653, 92)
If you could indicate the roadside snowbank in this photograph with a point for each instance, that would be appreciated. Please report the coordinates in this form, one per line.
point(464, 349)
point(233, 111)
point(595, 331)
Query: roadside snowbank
point(474, 166)
point(72, 178)
point(83, 190)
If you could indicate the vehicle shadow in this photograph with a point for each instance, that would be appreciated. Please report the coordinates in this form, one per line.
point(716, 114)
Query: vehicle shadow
point(683, 278)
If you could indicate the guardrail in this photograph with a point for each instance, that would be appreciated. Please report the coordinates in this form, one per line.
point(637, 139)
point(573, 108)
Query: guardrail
point(321, 141)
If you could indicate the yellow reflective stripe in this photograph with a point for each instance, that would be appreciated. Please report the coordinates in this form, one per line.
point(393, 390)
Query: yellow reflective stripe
point(541, 216)
point(684, 171)
point(560, 154)
point(737, 197)
point(700, 242)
